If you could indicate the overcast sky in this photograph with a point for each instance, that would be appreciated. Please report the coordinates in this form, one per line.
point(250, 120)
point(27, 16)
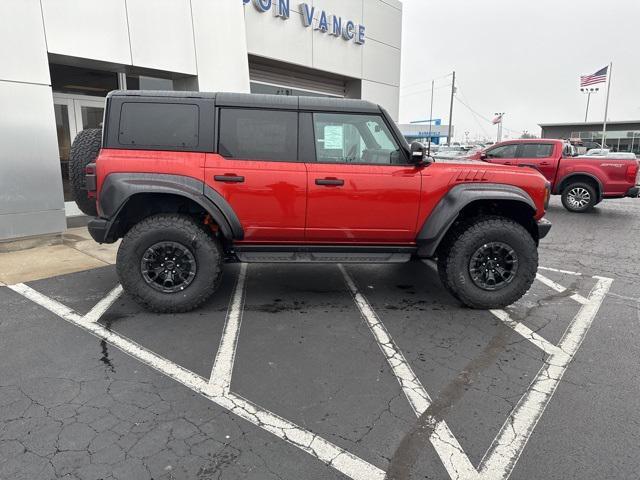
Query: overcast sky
point(522, 57)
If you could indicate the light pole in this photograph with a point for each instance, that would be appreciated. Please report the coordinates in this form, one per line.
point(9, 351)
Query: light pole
point(588, 91)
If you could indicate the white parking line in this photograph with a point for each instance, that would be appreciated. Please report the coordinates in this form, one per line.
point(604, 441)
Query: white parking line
point(508, 445)
point(498, 462)
point(223, 364)
point(449, 450)
point(560, 289)
point(568, 272)
point(543, 344)
point(325, 451)
point(103, 305)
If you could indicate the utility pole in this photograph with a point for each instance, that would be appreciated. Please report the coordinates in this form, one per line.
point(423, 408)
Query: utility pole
point(433, 82)
point(453, 92)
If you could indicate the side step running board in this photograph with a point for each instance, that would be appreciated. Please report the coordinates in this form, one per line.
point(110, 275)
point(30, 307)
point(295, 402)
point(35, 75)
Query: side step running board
point(323, 254)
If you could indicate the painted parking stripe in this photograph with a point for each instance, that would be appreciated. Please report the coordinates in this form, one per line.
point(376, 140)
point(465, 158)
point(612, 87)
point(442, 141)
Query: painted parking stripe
point(560, 289)
point(505, 450)
point(325, 451)
point(508, 445)
point(568, 272)
point(225, 358)
point(543, 344)
point(455, 461)
point(103, 305)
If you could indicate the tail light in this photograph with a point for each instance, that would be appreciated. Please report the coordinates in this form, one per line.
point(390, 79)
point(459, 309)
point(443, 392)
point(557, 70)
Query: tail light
point(633, 174)
point(90, 183)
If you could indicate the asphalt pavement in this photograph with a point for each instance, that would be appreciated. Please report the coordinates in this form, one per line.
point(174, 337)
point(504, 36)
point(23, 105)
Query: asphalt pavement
point(328, 372)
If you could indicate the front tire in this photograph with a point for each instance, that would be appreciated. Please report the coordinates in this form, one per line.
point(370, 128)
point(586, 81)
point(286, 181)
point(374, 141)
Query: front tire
point(490, 263)
point(579, 197)
point(168, 263)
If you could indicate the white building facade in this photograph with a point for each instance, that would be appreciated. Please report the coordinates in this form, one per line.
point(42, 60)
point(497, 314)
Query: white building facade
point(59, 59)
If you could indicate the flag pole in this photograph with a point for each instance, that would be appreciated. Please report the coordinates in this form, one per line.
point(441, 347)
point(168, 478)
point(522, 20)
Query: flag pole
point(606, 109)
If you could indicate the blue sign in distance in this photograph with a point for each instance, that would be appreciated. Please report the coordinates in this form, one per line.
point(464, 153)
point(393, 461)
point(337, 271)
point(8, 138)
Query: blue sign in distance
point(314, 17)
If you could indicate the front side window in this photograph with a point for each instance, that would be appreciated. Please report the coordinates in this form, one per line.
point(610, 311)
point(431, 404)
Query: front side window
point(269, 135)
point(505, 151)
point(536, 150)
point(352, 138)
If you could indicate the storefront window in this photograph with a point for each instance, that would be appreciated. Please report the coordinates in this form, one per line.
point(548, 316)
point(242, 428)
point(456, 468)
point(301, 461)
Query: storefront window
point(66, 79)
point(141, 82)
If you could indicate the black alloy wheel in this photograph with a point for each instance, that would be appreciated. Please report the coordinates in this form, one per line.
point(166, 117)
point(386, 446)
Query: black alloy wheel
point(168, 267)
point(493, 266)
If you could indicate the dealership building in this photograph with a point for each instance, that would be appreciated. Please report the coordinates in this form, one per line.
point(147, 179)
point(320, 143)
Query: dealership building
point(60, 58)
point(622, 136)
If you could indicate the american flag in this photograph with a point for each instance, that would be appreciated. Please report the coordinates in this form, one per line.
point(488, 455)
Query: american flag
point(599, 77)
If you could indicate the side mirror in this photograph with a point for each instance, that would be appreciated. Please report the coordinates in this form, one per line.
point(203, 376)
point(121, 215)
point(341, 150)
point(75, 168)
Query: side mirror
point(418, 153)
point(483, 156)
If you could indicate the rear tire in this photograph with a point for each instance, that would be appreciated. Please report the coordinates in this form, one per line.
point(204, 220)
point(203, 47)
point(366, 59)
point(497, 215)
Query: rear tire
point(579, 197)
point(84, 150)
point(479, 284)
point(155, 277)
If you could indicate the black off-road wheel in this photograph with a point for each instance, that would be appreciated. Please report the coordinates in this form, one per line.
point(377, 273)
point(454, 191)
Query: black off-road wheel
point(579, 197)
point(84, 150)
point(168, 263)
point(489, 262)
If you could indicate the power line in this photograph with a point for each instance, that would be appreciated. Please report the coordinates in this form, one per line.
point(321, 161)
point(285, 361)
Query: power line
point(425, 81)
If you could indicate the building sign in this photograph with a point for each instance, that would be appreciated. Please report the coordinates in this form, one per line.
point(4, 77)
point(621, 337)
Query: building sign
point(314, 17)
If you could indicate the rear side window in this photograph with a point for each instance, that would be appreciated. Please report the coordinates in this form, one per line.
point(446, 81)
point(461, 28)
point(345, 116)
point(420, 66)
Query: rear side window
point(536, 150)
point(247, 134)
point(169, 125)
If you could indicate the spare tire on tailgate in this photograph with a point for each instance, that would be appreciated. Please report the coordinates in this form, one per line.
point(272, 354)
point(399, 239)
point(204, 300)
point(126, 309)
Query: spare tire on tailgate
point(85, 150)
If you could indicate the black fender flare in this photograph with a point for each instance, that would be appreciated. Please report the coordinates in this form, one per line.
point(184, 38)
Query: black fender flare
point(447, 210)
point(558, 190)
point(119, 188)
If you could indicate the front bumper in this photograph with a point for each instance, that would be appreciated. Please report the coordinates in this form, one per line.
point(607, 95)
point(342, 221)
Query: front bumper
point(544, 226)
point(633, 192)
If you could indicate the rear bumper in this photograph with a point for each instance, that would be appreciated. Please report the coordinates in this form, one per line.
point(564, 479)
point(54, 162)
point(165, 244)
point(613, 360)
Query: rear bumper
point(633, 192)
point(544, 226)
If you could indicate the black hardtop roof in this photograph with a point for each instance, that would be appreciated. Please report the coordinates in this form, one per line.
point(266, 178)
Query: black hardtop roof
point(255, 100)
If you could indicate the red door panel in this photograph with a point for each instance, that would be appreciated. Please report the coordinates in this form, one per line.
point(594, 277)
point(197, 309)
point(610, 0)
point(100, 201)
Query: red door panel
point(543, 157)
point(362, 203)
point(268, 197)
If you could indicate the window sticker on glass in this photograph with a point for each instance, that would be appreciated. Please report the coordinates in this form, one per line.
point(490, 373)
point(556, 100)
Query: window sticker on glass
point(333, 137)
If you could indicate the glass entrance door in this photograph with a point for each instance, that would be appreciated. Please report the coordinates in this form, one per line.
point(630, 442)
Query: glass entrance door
point(74, 113)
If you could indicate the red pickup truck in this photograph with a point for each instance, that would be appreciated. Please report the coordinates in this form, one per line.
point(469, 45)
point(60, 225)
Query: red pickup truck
point(583, 181)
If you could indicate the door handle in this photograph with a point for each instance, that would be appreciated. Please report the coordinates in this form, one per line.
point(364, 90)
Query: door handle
point(545, 164)
point(229, 178)
point(330, 182)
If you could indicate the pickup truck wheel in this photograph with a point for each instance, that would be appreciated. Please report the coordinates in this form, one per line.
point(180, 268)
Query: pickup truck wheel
point(84, 150)
point(579, 197)
point(490, 263)
point(169, 264)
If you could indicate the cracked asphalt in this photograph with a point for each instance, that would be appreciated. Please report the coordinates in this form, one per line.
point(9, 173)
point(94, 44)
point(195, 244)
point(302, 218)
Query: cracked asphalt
point(72, 406)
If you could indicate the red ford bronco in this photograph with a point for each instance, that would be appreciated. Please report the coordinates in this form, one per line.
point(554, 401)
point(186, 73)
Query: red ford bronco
point(191, 180)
